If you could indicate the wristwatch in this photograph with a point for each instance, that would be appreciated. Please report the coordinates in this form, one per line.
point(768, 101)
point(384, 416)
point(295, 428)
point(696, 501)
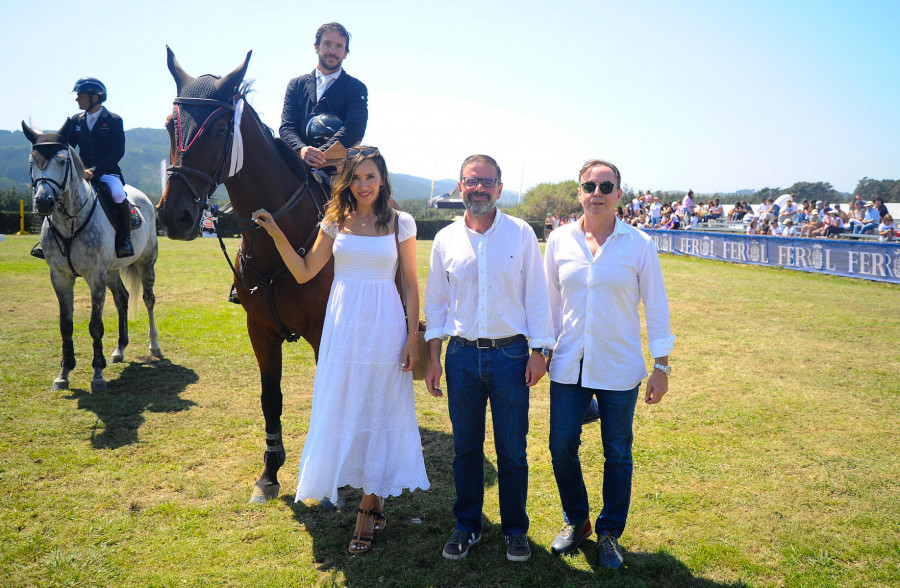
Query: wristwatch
point(666, 369)
point(545, 351)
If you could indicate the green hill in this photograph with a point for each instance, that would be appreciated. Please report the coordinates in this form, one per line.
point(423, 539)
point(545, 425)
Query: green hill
point(146, 148)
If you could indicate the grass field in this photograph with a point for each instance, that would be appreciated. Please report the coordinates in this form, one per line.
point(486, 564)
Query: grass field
point(773, 461)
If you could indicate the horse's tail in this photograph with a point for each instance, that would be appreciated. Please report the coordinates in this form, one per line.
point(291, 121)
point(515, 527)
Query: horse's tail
point(132, 280)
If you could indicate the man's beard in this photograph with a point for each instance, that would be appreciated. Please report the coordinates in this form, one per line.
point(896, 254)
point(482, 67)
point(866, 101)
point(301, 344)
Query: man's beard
point(479, 209)
point(327, 67)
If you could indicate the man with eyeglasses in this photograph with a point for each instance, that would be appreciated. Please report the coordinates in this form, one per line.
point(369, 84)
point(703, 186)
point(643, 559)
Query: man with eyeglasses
point(328, 90)
point(598, 272)
point(487, 294)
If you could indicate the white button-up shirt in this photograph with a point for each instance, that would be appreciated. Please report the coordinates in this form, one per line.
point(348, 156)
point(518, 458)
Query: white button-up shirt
point(90, 118)
point(594, 303)
point(487, 286)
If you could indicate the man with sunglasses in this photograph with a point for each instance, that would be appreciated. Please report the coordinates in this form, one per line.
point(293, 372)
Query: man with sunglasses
point(487, 294)
point(327, 90)
point(598, 272)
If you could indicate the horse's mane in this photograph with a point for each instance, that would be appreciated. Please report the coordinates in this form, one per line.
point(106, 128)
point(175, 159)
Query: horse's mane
point(287, 154)
point(77, 164)
point(290, 157)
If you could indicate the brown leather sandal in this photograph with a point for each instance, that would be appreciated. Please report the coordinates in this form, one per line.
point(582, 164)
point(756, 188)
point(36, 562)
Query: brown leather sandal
point(360, 543)
point(380, 521)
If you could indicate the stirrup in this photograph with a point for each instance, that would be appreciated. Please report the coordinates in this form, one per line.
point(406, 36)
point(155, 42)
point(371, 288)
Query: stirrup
point(37, 251)
point(233, 296)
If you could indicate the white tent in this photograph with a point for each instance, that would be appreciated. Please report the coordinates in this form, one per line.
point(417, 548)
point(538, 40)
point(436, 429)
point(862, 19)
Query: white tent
point(448, 200)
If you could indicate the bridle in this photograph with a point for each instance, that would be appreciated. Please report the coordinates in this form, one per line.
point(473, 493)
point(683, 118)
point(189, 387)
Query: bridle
point(218, 177)
point(63, 242)
point(56, 188)
point(184, 172)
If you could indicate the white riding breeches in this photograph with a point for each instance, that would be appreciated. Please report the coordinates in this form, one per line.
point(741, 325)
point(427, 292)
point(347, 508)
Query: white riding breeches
point(115, 187)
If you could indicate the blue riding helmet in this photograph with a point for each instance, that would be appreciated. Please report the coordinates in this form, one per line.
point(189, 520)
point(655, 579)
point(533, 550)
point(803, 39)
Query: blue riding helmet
point(90, 86)
point(322, 127)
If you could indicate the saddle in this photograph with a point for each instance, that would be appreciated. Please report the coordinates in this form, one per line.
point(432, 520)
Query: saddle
point(109, 207)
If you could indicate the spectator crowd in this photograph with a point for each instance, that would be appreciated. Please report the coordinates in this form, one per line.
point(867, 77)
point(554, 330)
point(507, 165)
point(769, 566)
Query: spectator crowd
point(781, 217)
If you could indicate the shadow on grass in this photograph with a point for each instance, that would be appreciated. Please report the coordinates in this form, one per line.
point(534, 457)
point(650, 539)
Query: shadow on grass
point(408, 551)
point(152, 385)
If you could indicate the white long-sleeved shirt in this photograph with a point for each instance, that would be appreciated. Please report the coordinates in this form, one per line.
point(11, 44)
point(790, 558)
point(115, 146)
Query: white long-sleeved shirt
point(594, 303)
point(488, 286)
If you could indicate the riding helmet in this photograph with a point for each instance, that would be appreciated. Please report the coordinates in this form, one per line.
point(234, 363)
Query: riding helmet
point(322, 127)
point(90, 86)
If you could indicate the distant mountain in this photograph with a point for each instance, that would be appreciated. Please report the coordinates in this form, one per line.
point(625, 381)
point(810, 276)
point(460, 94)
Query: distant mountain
point(146, 148)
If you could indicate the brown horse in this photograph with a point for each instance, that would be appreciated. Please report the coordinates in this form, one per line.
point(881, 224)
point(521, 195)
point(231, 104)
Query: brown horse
point(206, 145)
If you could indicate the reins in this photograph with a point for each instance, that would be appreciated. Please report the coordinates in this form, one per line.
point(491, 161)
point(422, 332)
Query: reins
point(266, 281)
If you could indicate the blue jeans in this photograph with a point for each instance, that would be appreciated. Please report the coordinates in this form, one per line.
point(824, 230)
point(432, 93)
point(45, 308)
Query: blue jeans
point(864, 228)
point(475, 376)
point(567, 405)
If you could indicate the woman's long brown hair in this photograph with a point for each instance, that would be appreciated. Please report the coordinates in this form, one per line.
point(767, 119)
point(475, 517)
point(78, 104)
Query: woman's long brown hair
point(343, 202)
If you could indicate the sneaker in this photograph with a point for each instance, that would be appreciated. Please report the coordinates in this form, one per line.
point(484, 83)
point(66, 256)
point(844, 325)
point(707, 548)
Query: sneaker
point(609, 554)
point(518, 548)
point(460, 542)
point(571, 536)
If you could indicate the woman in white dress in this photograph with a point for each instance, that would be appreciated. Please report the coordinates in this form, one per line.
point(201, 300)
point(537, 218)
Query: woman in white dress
point(362, 431)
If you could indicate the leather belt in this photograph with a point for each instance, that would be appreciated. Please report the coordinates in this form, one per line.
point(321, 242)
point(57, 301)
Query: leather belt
point(489, 343)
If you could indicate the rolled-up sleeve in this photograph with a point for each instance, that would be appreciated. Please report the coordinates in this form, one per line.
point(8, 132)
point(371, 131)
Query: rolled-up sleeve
point(660, 339)
point(554, 294)
point(537, 306)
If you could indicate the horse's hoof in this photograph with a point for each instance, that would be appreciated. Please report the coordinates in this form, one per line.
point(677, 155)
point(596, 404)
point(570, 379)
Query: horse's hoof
point(261, 495)
point(59, 385)
point(98, 385)
point(117, 357)
point(155, 352)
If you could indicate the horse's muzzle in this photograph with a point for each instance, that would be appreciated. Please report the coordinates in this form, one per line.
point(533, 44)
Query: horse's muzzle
point(180, 223)
point(44, 204)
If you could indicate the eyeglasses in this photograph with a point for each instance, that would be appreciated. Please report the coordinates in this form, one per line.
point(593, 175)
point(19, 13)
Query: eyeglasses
point(486, 182)
point(605, 187)
point(367, 151)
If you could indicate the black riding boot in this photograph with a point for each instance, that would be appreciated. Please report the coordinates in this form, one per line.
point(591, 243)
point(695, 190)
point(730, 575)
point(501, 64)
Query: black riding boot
point(125, 249)
point(37, 251)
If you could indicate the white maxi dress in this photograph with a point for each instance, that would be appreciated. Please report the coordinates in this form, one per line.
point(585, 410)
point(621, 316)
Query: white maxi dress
point(362, 430)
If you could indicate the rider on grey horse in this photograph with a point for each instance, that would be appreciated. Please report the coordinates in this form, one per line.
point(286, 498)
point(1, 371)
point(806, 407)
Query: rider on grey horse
point(100, 137)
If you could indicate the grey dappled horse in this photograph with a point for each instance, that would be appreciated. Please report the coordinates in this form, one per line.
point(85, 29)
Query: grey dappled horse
point(79, 240)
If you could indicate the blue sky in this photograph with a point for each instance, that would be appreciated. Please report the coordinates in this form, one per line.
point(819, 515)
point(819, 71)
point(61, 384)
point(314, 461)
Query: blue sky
point(713, 96)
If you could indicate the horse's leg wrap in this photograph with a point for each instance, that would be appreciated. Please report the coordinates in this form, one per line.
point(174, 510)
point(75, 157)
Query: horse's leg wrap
point(274, 450)
point(267, 487)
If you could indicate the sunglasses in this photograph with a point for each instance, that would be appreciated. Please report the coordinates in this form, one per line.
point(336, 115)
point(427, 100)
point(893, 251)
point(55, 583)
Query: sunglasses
point(486, 182)
point(367, 151)
point(605, 187)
